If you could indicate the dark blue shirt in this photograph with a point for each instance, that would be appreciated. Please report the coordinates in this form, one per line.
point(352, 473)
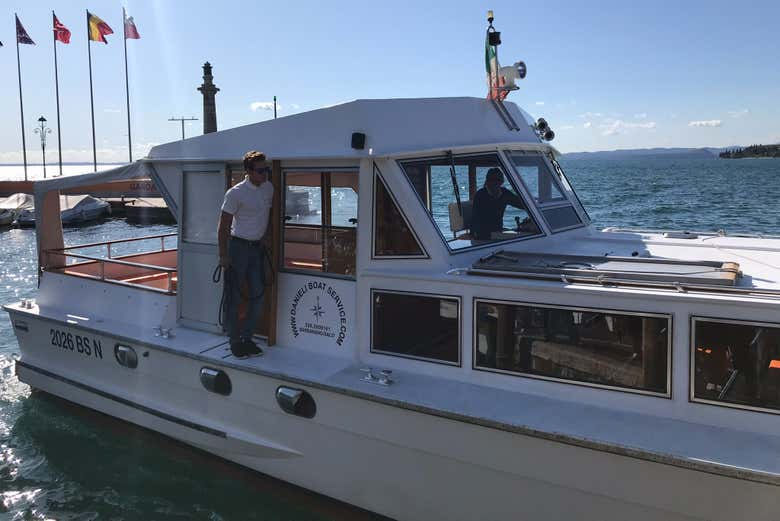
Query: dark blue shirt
point(487, 214)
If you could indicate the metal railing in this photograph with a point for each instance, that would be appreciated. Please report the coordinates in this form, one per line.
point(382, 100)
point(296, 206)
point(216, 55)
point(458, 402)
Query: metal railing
point(709, 233)
point(102, 261)
point(108, 244)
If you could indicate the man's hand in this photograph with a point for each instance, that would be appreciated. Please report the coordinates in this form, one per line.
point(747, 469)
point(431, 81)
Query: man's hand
point(224, 261)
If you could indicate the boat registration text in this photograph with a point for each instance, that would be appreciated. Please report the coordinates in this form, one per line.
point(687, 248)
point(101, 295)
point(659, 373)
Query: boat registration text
point(79, 344)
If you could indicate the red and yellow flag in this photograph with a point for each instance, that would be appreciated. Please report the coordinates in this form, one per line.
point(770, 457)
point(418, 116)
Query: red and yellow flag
point(97, 29)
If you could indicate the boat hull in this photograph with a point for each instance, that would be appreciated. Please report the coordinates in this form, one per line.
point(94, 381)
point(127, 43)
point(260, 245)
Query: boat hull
point(388, 459)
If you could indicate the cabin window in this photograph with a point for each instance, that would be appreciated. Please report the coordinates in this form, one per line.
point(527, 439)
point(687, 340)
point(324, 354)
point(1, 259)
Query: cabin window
point(585, 346)
point(320, 221)
point(545, 191)
point(736, 363)
point(416, 325)
point(202, 206)
point(393, 235)
point(451, 189)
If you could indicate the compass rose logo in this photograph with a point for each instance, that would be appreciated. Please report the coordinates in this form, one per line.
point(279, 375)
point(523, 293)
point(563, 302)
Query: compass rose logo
point(317, 310)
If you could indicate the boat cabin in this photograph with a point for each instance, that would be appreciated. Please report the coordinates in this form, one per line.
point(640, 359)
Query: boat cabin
point(377, 261)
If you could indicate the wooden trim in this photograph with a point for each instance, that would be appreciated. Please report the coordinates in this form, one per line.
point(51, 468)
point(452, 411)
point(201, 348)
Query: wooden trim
point(275, 246)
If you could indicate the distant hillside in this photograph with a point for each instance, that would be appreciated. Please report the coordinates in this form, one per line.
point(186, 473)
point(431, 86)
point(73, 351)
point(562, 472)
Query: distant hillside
point(751, 151)
point(681, 153)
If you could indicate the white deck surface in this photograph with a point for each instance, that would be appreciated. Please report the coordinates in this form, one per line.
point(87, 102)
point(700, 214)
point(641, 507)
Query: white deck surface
point(758, 258)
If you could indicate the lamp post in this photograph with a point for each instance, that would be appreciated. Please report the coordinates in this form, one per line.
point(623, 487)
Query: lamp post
point(43, 130)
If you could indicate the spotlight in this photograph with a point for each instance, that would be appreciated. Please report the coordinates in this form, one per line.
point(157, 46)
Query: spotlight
point(548, 135)
point(541, 125)
point(522, 70)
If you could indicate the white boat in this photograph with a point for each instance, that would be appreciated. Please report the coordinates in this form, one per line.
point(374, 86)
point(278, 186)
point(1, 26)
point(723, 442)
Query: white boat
point(11, 206)
point(548, 371)
point(74, 210)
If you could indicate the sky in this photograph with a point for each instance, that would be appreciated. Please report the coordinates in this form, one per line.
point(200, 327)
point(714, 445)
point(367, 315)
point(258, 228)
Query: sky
point(611, 75)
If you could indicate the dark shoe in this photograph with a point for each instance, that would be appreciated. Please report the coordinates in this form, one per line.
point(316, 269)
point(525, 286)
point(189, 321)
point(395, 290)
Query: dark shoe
point(250, 348)
point(239, 350)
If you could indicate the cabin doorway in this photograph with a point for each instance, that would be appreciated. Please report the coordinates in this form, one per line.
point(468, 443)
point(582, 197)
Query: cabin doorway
point(266, 324)
point(317, 258)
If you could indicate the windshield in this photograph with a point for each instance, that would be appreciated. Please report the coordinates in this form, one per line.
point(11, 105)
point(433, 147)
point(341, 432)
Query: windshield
point(471, 199)
point(551, 193)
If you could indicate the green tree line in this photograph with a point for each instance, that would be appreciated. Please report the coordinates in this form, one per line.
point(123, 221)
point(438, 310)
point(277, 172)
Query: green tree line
point(752, 151)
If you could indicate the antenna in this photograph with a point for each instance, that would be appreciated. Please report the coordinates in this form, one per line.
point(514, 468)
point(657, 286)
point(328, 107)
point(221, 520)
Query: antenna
point(182, 119)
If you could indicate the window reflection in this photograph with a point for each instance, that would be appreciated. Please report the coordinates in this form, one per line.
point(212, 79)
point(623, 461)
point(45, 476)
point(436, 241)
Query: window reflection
point(416, 326)
point(320, 221)
point(393, 236)
point(590, 346)
point(737, 363)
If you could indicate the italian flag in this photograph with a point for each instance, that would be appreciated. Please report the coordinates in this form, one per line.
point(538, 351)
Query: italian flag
point(491, 68)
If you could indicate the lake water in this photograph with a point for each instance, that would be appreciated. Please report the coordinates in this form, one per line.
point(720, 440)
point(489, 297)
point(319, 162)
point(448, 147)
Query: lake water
point(58, 461)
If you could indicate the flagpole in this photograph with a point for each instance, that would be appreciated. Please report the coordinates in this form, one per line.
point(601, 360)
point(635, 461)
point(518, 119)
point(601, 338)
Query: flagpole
point(127, 90)
point(91, 99)
point(57, 90)
point(21, 105)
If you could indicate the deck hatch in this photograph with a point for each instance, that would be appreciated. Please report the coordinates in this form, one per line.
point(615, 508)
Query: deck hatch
point(607, 268)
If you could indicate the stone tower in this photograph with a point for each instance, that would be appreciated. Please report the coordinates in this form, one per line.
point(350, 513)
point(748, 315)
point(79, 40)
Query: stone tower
point(209, 91)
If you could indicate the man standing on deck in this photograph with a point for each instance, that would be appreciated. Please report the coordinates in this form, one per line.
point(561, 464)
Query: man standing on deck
point(242, 225)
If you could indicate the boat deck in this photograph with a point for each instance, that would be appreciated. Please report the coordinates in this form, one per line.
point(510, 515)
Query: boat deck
point(693, 258)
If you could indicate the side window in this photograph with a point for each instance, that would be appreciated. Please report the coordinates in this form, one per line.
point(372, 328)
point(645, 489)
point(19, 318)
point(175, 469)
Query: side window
point(200, 213)
point(736, 363)
point(436, 332)
point(545, 190)
point(393, 236)
point(465, 210)
point(587, 346)
point(320, 221)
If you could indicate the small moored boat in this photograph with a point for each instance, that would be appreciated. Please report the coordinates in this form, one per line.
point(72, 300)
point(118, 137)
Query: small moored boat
point(12, 205)
point(74, 210)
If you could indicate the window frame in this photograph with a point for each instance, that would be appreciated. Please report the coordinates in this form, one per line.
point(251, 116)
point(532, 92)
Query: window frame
point(377, 175)
point(567, 200)
point(668, 395)
point(578, 206)
point(283, 212)
point(509, 174)
point(692, 362)
point(457, 298)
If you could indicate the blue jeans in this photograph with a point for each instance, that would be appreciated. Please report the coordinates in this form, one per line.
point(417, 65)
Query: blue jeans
point(246, 265)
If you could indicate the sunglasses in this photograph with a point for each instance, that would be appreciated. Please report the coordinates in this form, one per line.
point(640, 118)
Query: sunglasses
point(262, 170)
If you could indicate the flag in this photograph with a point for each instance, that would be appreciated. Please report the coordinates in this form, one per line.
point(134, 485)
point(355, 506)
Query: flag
point(495, 80)
point(97, 29)
point(61, 33)
point(21, 34)
point(131, 31)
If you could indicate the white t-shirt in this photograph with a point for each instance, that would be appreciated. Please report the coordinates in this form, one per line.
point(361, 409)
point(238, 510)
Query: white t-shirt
point(250, 207)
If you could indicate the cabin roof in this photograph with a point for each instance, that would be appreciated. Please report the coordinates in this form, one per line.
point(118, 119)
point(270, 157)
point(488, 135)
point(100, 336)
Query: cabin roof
point(391, 126)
